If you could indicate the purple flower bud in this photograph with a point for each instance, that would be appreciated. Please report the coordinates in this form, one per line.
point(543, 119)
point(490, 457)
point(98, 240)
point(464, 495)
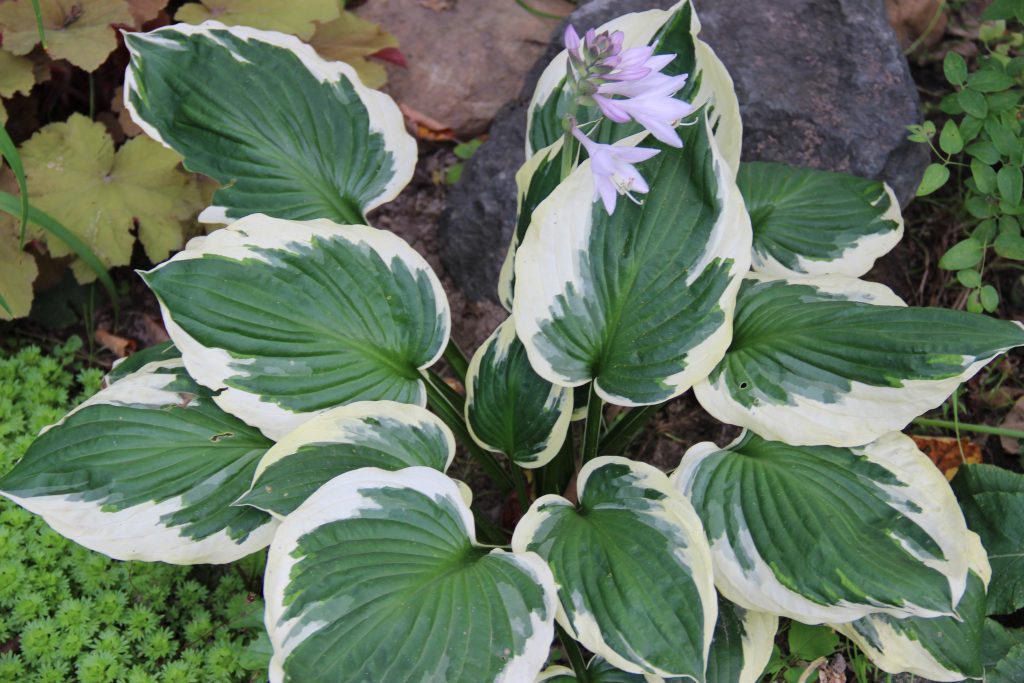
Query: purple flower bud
point(572, 41)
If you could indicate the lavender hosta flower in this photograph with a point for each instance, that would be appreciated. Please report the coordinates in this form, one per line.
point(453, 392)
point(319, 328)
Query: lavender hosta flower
point(627, 84)
point(650, 102)
point(613, 169)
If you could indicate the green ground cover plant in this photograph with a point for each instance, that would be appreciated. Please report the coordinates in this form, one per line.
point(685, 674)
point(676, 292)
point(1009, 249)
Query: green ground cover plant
point(70, 614)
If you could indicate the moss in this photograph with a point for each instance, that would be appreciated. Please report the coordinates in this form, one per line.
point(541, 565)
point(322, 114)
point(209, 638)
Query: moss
point(70, 614)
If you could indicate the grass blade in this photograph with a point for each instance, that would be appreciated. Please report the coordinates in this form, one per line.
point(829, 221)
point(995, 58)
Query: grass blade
point(39, 23)
point(3, 303)
point(12, 205)
point(9, 152)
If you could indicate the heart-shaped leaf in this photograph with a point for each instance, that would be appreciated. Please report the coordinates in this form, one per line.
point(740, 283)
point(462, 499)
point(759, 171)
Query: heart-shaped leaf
point(822, 534)
point(80, 32)
point(378, 577)
point(147, 469)
point(742, 644)
point(809, 222)
point(535, 180)
point(639, 301)
point(288, 318)
point(341, 151)
point(632, 566)
point(382, 434)
point(939, 649)
point(509, 408)
point(104, 197)
point(838, 361)
point(992, 499)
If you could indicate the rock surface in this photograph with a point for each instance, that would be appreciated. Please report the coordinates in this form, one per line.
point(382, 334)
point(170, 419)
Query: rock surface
point(466, 58)
point(821, 83)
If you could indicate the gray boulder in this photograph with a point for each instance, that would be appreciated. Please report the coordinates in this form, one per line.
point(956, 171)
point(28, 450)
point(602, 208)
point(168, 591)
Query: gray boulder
point(821, 83)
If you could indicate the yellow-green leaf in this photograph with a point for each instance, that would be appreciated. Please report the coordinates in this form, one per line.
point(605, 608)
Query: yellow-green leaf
point(75, 175)
point(352, 39)
point(16, 74)
point(17, 271)
point(80, 32)
point(295, 16)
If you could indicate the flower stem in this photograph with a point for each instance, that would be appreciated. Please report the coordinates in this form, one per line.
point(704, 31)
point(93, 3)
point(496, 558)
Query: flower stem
point(522, 490)
point(626, 429)
point(967, 427)
point(572, 651)
point(568, 152)
point(592, 432)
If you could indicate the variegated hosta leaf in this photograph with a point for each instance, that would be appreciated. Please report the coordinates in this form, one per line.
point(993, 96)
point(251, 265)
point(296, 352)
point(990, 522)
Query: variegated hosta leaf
point(939, 649)
point(823, 534)
point(838, 361)
point(809, 222)
point(147, 469)
point(151, 354)
point(672, 31)
point(285, 132)
point(632, 567)
point(378, 577)
point(598, 671)
point(535, 180)
point(382, 434)
point(509, 408)
point(288, 318)
point(990, 496)
point(742, 644)
point(640, 301)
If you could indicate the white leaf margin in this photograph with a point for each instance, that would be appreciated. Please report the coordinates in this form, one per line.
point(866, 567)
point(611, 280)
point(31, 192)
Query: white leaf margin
point(938, 514)
point(213, 366)
point(546, 264)
point(678, 512)
point(559, 398)
point(862, 415)
point(336, 425)
point(523, 178)
point(855, 261)
point(900, 653)
point(138, 532)
point(342, 498)
point(385, 117)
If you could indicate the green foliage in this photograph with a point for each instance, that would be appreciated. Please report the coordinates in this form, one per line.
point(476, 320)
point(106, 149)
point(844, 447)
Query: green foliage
point(72, 614)
point(984, 136)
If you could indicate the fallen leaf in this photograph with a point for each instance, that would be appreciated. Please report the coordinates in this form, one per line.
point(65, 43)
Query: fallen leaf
point(78, 31)
point(352, 39)
point(119, 346)
point(75, 175)
point(130, 128)
point(945, 453)
point(296, 17)
point(17, 74)
point(1013, 420)
point(391, 55)
point(154, 330)
point(425, 127)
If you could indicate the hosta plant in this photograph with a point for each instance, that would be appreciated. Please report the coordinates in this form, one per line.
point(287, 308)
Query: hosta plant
point(298, 406)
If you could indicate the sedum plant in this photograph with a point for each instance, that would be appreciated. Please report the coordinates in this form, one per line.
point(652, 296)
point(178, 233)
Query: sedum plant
point(298, 407)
